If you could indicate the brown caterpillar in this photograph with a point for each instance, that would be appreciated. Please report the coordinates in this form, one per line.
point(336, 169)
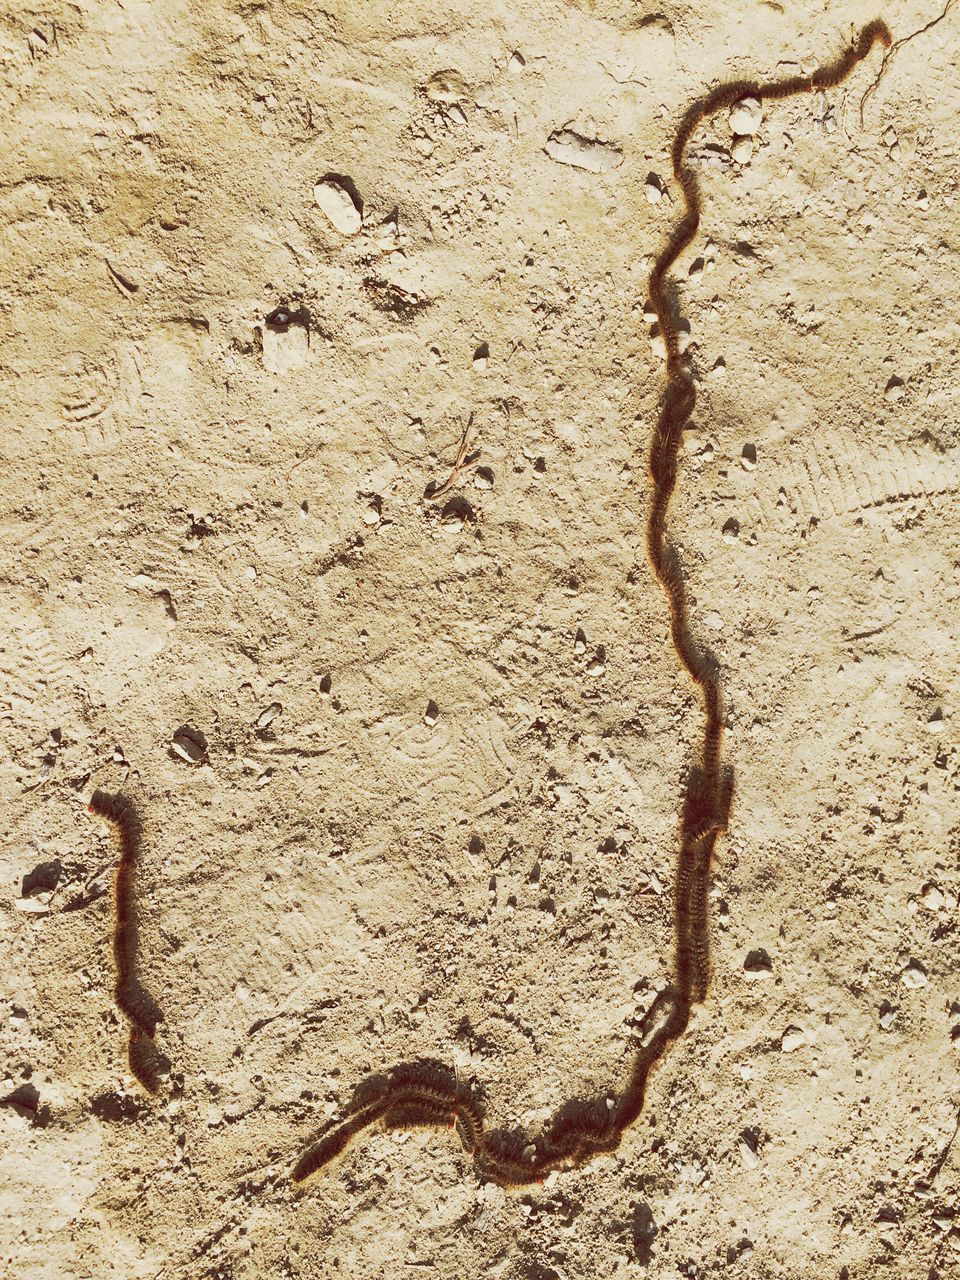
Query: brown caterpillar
point(136, 1004)
point(416, 1095)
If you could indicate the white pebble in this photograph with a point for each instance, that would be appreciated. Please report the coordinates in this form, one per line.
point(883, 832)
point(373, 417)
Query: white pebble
point(517, 62)
point(189, 745)
point(745, 116)
point(932, 898)
point(792, 1040)
point(742, 150)
point(591, 154)
point(914, 976)
point(266, 718)
point(336, 202)
point(748, 1156)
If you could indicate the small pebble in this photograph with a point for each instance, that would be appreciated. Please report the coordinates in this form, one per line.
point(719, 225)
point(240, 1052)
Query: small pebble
point(748, 458)
point(748, 1156)
point(266, 718)
point(446, 86)
point(371, 515)
point(894, 389)
point(935, 724)
point(757, 966)
point(914, 976)
point(456, 114)
point(483, 478)
point(654, 189)
point(742, 150)
point(792, 1040)
point(516, 63)
point(932, 898)
point(336, 202)
point(731, 530)
point(189, 744)
point(745, 116)
point(591, 154)
point(432, 714)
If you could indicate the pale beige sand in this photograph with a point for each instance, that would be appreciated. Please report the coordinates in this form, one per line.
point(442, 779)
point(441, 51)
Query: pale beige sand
point(213, 524)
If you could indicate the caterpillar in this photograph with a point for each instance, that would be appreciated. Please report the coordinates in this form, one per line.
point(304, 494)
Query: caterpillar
point(136, 1004)
point(418, 1095)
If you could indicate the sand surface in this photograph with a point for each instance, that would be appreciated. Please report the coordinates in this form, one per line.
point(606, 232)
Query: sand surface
point(408, 769)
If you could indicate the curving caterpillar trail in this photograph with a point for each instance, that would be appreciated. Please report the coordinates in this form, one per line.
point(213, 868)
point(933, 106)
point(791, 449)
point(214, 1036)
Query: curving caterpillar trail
point(427, 1094)
point(139, 1008)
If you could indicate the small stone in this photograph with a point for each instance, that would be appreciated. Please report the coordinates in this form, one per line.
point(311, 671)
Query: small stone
point(339, 206)
point(745, 116)
point(887, 1019)
point(757, 965)
point(481, 357)
point(32, 905)
point(371, 515)
point(266, 718)
point(457, 114)
point(935, 724)
point(714, 620)
point(792, 1040)
point(580, 642)
point(591, 154)
point(431, 715)
point(742, 150)
point(658, 344)
point(731, 530)
point(748, 458)
point(932, 897)
point(914, 976)
point(189, 744)
point(596, 666)
point(446, 86)
point(516, 63)
point(748, 1155)
point(894, 390)
point(483, 478)
point(654, 189)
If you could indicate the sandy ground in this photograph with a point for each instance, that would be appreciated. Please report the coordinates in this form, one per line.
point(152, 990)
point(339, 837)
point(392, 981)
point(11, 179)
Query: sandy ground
point(409, 770)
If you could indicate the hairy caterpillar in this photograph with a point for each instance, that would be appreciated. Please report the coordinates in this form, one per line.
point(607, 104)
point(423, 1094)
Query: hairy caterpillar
point(136, 1004)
